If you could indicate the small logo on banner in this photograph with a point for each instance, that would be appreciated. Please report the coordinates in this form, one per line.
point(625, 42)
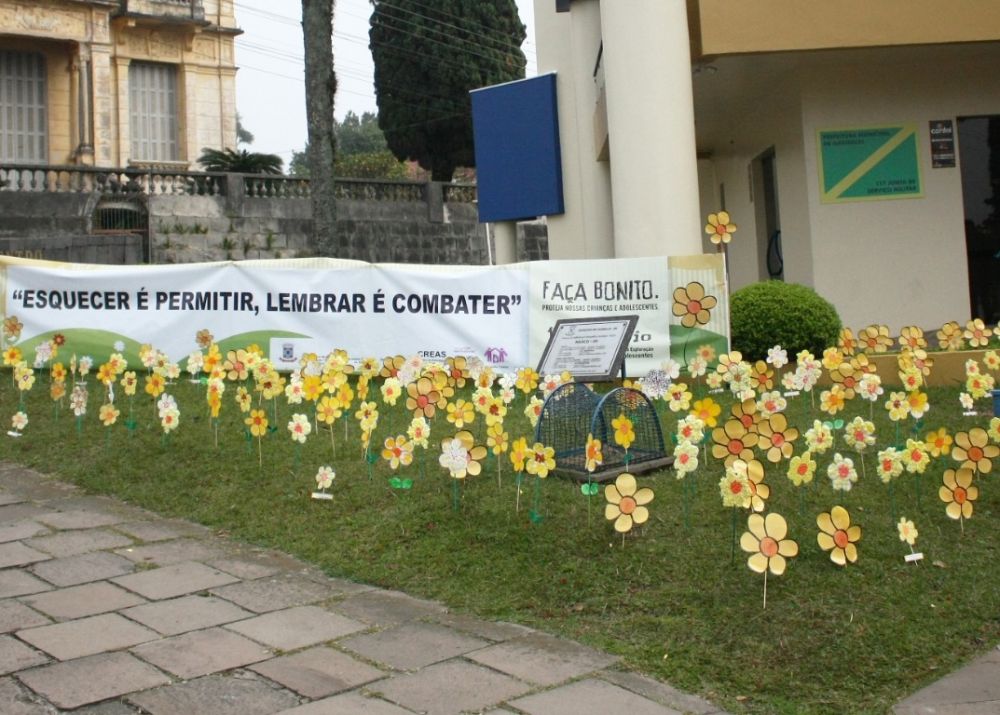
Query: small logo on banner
point(495, 356)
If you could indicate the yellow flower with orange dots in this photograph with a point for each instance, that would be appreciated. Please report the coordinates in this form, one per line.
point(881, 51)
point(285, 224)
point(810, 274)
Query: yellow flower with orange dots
point(593, 455)
point(958, 492)
point(397, 451)
point(912, 337)
point(974, 451)
point(838, 536)
point(706, 410)
point(846, 341)
point(950, 336)
point(875, 339)
point(692, 305)
point(497, 438)
point(461, 413)
point(108, 414)
point(733, 441)
point(518, 453)
point(977, 333)
point(720, 228)
point(624, 432)
point(626, 505)
point(776, 438)
point(257, 422)
point(832, 400)
point(540, 461)
point(155, 385)
point(766, 543)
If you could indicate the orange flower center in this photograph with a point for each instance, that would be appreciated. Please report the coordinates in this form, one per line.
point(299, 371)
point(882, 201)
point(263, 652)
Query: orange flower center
point(803, 469)
point(849, 382)
point(720, 229)
point(746, 421)
point(694, 306)
point(736, 487)
point(777, 439)
point(859, 436)
point(915, 455)
point(422, 401)
point(684, 458)
point(975, 453)
point(768, 546)
point(887, 465)
point(840, 538)
point(735, 446)
point(627, 505)
point(960, 495)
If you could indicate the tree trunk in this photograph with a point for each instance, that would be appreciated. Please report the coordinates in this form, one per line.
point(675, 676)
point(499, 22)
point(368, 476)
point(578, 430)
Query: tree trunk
point(321, 85)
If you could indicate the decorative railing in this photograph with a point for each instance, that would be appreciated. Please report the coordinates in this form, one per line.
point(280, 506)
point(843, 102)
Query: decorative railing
point(26, 178)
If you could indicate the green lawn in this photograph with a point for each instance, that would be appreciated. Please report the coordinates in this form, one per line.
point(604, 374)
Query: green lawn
point(671, 600)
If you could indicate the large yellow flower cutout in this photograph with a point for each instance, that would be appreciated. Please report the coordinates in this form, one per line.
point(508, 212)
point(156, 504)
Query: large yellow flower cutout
point(626, 505)
point(692, 306)
point(257, 422)
point(766, 543)
point(977, 333)
point(624, 433)
point(540, 460)
point(958, 493)
point(776, 438)
point(733, 441)
point(720, 228)
point(974, 451)
point(838, 536)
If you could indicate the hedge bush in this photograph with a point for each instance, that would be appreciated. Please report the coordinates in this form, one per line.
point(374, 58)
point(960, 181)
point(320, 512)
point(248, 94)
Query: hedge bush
point(772, 313)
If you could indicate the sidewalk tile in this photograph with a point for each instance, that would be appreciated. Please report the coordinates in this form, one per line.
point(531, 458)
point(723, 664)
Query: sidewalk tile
point(15, 582)
point(80, 601)
point(973, 689)
point(92, 679)
point(15, 655)
point(589, 697)
point(74, 570)
point(21, 530)
point(71, 543)
point(188, 613)
point(450, 688)
point(318, 672)
point(388, 608)
point(171, 552)
point(348, 704)
point(412, 645)
point(79, 519)
point(15, 616)
point(17, 554)
point(660, 692)
point(542, 659)
point(159, 530)
point(202, 652)
point(215, 695)
point(297, 627)
point(87, 636)
point(272, 594)
point(18, 700)
point(173, 580)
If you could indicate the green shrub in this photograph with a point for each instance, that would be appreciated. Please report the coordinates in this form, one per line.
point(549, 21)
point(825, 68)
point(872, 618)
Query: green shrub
point(772, 313)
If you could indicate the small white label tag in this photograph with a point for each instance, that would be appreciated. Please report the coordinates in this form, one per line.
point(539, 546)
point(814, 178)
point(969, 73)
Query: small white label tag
point(970, 413)
point(792, 393)
point(322, 495)
point(914, 557)
point(12, 433)
point(716, 391)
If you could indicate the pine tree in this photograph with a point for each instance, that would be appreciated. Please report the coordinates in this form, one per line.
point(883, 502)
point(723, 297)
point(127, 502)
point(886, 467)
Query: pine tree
point(428, 56)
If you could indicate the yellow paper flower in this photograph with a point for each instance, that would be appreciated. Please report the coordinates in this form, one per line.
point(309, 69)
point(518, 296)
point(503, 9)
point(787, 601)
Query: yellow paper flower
point(707, 411)
point(527, 380)
point(461, 413)
point(912, 337)
point(907, 531)
point(11, 356)
point(461, 456)
point(735, 488)
point(890, 464)
point(419, 431)
point(257, 422)
point(846, 341)
point(367, 416)
point(397, 451)
point(108, 414)
point(594, 456)
point(496, 439)
point(692, 306)
point(534, 410)
point(766, 543)
point(974, 451)
point(776, 438)
point(235, 365)
point(950, 336)
point(838, 536)
point(801, 469)
point(832, 400)
point(915, 457)
point(958, 493)
point(626, 505)
point(624, 433)
point(898, 406)
point(993, 431)
point(422, 397)
point(720, 228)
point(733, 441)
point(518, 453)
point(12, 328)
point(875, 339)
point(977, 333)
point(155, 384)
point(495, 411)
point(541, 460)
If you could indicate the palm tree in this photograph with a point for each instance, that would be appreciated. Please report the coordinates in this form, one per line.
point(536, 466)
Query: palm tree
point(230, 161)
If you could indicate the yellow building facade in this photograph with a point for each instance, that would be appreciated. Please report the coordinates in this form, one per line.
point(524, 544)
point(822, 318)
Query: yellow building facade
point(856, 144)
point(116, 83)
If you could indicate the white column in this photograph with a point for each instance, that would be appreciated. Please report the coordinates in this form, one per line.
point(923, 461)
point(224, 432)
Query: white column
point(654, 169)
point(504, 242)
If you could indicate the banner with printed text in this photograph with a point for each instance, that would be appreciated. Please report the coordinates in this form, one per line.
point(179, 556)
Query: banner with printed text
point(501, 314)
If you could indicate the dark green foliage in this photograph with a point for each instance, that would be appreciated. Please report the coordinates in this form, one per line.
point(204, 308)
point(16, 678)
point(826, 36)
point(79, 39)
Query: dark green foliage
point(428, 56)
point(361, 151)
point(772, 313)
point(240, 162)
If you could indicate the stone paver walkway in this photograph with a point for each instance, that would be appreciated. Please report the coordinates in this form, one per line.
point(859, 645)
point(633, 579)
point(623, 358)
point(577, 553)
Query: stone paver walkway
point(106, 609)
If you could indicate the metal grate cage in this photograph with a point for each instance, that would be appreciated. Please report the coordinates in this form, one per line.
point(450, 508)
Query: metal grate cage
point(573, 411)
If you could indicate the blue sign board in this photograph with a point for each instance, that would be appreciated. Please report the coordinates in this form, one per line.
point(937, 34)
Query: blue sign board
point(518, 161)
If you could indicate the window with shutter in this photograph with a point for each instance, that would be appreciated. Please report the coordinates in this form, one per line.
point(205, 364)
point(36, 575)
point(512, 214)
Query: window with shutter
point(153, 111)
point(23, 108)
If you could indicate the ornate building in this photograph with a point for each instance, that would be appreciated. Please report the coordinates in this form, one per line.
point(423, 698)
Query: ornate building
point(116, 83)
